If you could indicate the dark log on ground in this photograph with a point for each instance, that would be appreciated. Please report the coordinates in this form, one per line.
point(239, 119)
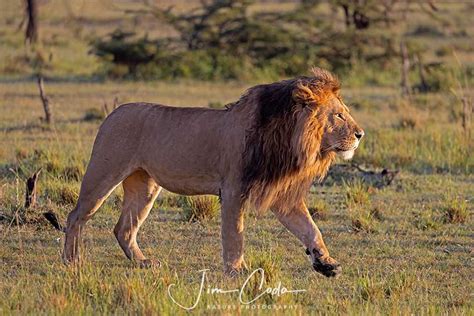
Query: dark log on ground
point(377, 178)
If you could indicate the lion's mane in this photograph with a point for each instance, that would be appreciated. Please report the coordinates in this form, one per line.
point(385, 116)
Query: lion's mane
point(282, 148)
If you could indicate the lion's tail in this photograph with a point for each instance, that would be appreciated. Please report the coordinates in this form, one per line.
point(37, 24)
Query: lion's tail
point(54, 220)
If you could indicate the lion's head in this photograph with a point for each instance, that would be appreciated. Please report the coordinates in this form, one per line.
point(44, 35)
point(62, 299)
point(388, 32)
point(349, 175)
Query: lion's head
point(299, 126)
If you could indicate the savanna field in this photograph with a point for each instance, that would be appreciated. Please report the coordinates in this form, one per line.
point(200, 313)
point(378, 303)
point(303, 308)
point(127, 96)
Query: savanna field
point(406, 246)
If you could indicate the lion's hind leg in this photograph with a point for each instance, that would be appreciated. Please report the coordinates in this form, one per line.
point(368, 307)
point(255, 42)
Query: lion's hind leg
point(95, 189)
point(140, 191)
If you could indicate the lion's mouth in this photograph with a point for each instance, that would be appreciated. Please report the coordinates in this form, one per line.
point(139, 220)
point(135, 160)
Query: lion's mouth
point(346, 153)
point(340, 149)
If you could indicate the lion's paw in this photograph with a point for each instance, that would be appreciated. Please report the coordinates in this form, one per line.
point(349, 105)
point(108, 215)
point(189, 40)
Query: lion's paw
point(327, 266)
point(148, 263)
point(234, 270)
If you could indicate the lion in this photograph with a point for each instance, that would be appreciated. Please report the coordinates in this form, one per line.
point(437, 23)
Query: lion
point(261, 152)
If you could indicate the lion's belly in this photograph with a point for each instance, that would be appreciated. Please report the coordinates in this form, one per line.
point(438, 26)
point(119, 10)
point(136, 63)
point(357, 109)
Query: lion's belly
point(186, 183)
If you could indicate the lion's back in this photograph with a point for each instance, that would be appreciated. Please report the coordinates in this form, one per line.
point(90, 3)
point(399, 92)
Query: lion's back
point(163, 138)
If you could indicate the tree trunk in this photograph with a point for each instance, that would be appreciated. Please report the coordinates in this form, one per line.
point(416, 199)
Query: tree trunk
point(31, 34)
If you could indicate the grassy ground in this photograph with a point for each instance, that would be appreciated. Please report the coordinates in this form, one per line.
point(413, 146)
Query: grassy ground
point(405, 248)
point(400, 252)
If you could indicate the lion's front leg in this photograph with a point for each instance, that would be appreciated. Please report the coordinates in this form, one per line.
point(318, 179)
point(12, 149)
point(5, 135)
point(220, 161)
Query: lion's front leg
point(232, 229)
point(299, 222)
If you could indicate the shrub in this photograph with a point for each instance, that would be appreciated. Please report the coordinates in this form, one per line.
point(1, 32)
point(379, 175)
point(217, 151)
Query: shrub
point(200, 208)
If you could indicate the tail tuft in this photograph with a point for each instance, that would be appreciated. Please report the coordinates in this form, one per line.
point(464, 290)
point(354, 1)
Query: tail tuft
point(54, 220)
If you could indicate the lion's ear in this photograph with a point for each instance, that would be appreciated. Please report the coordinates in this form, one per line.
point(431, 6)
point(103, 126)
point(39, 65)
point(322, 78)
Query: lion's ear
point(302, 94)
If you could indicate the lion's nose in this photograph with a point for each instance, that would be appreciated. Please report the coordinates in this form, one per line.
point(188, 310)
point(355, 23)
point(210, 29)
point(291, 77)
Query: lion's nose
point(359, 134)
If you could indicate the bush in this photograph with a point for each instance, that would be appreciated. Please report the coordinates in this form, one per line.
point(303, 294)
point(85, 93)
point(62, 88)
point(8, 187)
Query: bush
point(200, 208)
point(223, 40)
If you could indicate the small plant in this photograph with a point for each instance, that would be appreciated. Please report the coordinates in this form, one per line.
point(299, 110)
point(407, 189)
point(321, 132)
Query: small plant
point(200, 208)
point(319, 209)
point(364, 219)
point(426, 220)
point(400, 284)
point(455, 211)
point(67, 195)
point(61, 193)
point(269, 262)
point(368, 289)
point(357, 193)
point(73, 172)
point(363, 216)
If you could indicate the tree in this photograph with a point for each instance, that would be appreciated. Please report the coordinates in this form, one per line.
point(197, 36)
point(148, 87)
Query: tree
point(31, 33)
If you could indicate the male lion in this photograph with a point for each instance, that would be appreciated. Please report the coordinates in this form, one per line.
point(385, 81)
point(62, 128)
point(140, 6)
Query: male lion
point(263, 150)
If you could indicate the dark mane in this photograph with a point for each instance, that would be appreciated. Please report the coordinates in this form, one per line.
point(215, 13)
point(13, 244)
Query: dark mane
point(277, 163)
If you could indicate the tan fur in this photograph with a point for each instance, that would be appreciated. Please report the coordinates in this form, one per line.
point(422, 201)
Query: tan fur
point(264, 150)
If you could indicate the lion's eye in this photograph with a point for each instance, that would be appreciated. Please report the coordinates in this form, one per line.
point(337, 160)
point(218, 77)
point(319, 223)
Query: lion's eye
point(340, 116)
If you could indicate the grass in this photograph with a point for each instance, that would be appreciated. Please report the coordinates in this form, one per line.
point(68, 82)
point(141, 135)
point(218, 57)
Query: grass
point(408, 259)
point(456, 211)
point(200, 208)
point(405, 248)
point(319, 209)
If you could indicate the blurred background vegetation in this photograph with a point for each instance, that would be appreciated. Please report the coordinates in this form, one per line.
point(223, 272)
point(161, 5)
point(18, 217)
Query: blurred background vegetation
point(362, 41)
